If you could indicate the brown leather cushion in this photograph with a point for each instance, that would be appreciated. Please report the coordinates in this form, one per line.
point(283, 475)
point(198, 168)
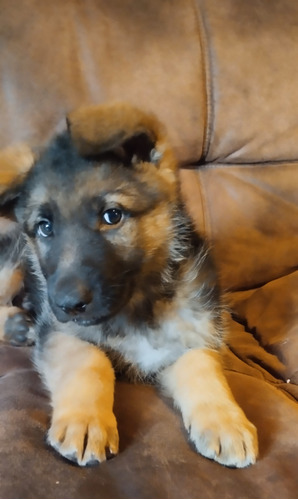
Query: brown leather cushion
point(251, 51)
point(249, 213)
point(270, 313)
point(61, 55)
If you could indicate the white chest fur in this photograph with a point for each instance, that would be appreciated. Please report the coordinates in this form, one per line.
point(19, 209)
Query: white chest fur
point(150, 350)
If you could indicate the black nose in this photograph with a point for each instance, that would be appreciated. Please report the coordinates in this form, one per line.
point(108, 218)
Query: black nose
point(72, 298)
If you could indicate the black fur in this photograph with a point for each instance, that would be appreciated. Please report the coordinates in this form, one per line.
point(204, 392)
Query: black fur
point(101, 282)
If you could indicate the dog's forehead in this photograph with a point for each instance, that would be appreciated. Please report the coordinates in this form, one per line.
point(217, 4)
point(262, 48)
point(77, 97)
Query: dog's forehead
point(66, 186)
point(69, 189)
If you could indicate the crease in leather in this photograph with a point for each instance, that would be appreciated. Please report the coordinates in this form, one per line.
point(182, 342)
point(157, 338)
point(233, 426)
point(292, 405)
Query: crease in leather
point(260, 186)
point(260, 285)
point(261, 360)
point(278, 386)
point(252, 199)
point(257, 163)
point(206, 213)
point(190, 188)
point(264, 330)
point(206, 71)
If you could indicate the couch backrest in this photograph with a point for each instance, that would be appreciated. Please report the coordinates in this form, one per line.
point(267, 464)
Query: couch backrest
point(251, 53)
point(59, 55)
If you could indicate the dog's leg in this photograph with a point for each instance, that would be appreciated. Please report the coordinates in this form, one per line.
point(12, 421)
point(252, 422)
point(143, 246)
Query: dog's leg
point(216, 424)
point(81, 382)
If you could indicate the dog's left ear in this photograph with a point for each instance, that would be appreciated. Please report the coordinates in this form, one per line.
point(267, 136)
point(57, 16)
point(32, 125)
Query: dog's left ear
point(15, 163)
point(9, 196)
point(117, 127)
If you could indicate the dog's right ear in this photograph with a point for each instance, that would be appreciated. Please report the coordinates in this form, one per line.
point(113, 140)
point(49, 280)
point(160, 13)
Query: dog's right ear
point(121, 128)
point(135, 136)
point(109, 127)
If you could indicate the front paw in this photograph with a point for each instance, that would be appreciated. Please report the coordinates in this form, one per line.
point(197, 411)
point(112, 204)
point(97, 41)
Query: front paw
point(18, 330)
point(83, 438)
point(224, 434)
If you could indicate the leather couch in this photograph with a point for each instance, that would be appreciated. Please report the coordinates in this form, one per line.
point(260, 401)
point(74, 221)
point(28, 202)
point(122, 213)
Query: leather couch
point(223, 77)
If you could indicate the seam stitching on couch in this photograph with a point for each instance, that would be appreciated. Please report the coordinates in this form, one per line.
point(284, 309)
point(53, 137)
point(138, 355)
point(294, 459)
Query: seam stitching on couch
point(208, 85)
point(264, 163)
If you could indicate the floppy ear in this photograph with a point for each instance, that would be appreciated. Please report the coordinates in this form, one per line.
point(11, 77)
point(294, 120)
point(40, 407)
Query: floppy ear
point(9, 197)
point(117, 127)
point(15, 163)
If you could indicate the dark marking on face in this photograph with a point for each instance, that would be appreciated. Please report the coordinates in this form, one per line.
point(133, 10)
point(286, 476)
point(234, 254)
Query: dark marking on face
point(89, 222)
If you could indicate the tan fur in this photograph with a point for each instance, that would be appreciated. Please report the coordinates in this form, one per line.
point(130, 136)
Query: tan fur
point(82, 393)
point(156, 223)
point(100, 126)
point(15, 160)
point(11, 282)
point(96, 129)
point(216, 424)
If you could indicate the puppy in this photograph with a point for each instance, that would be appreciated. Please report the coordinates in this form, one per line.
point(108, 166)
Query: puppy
point(117, 273)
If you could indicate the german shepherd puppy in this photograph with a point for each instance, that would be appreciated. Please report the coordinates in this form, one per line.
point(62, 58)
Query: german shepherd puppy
point(117, 272)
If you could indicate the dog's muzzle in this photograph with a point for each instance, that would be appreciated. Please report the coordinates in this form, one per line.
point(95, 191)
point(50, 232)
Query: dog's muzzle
point(72, 300)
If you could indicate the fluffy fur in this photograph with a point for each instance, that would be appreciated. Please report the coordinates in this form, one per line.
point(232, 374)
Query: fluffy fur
point(15, 308)
point(116, 271)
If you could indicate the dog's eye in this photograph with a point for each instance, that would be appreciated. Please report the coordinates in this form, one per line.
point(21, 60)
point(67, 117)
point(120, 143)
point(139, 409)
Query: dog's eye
point(112, 216)
point(45, 228)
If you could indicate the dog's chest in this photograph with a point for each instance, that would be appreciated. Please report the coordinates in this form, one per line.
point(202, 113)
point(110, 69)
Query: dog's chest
point(150, 350)
point(142, 353)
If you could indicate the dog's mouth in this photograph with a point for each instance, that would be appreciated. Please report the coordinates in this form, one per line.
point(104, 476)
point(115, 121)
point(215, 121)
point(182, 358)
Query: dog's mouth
point(88, 313)
point(87, 322)
point(90, 322)
point(82, 320)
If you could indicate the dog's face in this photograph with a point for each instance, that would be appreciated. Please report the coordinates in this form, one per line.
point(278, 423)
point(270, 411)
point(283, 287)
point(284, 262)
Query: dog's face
point(99, 224)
